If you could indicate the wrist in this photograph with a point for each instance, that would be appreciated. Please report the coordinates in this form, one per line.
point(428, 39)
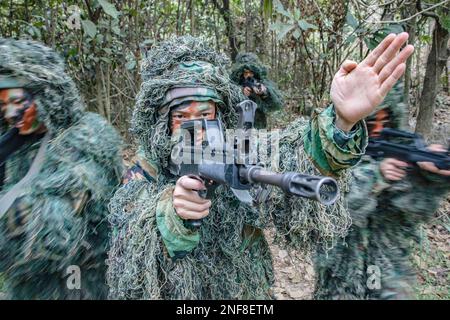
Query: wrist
point(343, 124)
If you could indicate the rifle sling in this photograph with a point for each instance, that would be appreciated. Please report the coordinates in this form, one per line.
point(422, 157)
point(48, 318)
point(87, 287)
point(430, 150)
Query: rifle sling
point(8, 199)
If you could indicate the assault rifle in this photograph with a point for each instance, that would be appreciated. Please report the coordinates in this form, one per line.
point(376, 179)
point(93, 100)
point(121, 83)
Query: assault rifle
point(229, 163)
point(251, 83)
point(408, 147)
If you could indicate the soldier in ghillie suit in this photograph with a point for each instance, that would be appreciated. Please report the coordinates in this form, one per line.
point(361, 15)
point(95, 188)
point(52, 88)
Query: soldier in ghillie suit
point(249, 73)
point(387, 204)
point(153, 254)
point(62, 171)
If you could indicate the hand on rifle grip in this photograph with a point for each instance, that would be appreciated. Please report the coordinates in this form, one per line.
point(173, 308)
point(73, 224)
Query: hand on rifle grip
point(189, 200)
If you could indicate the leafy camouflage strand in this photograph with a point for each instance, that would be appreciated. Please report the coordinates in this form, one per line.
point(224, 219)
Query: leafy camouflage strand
point(304, 222)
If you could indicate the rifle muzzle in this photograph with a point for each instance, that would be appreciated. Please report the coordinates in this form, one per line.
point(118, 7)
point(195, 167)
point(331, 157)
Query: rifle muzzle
point(319, 188)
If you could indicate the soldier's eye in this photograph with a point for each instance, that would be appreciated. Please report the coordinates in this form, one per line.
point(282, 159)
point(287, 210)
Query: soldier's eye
point(18, 101)
point(206, 114)
point(178, 116)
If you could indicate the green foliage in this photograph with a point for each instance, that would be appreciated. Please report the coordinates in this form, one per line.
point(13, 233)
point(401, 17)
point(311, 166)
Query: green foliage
point(89, 27)
point(445, 21)
point(293, 23)
point(109, 8)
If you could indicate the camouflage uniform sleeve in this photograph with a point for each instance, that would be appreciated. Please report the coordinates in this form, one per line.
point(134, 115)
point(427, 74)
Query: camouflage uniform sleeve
point(177, 239)
point(331, 149)
point(367, 184)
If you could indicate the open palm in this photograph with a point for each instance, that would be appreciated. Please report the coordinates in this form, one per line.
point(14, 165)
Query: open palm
point(357, 89)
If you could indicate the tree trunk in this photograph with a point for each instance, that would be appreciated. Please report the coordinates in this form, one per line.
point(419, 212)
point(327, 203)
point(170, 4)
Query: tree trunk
point(436, 61)
point(411, 27)
point(229, 27)
point(192, 18)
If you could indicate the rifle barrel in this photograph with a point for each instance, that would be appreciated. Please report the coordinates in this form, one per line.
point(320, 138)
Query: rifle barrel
point(319, 188)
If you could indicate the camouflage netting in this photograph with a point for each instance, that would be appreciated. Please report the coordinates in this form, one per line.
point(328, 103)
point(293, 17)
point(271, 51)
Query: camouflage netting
point(274, 100)
point(60, 218)
point(232, 259)
point(249, 61)
point(57, 98)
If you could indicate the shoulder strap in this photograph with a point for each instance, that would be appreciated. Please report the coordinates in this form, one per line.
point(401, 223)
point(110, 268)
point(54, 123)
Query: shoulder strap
point(8, 199)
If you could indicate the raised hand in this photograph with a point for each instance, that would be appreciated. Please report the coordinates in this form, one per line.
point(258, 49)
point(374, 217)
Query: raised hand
point(357, 89)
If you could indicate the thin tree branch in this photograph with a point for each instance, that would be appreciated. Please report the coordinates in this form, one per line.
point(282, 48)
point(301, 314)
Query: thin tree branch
point(413, 16)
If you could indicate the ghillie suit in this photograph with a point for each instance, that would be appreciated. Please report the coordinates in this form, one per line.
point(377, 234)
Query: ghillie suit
point(58, 223)
point(153, 255)
point(373, 261)
point(272, 100)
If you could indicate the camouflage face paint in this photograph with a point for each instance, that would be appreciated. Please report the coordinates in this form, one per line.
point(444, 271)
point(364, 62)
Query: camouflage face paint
point(381, 121)
point(248, 74)
point(192, 110)
point(18, 111)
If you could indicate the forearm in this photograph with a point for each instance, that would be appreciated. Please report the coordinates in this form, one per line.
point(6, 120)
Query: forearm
point(331, 149)
point(178, 239)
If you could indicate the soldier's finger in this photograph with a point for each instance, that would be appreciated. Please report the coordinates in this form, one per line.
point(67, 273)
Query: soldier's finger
point(190, 195)
point(193, 206)
point(387, 85)
point(190, 183)
point(400, 58)
point(429, 166)
point(390, 51)
point(399, 172)
point(192, 215)
point(398, 163)
point(436, 148)
point(395, 176)
point(378, 51)
point(347, 67)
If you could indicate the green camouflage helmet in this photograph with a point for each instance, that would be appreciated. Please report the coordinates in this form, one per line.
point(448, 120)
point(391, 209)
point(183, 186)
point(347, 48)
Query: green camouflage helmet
point(180, 94)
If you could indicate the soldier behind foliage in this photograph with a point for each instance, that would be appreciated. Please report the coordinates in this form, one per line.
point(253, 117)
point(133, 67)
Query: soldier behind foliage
point(57, 224)
point(373, 261)
point(265, 93)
